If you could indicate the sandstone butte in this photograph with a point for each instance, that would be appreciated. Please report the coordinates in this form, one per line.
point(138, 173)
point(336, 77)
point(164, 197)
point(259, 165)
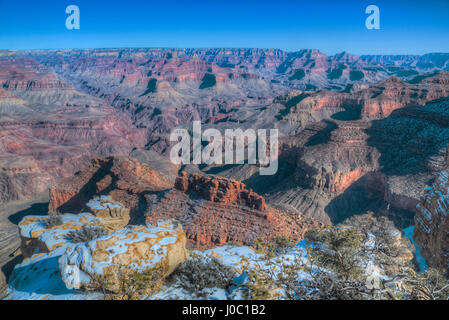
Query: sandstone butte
point(216, 210)
point(212, 210)
point(431, 232)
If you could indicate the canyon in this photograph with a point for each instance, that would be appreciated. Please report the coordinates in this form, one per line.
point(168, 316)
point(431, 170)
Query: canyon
point(357, 134)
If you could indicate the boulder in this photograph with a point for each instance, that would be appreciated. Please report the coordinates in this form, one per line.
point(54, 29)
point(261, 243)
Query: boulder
point(37, 239)
point(112, 214)
point(132, 249)
point(58, 264)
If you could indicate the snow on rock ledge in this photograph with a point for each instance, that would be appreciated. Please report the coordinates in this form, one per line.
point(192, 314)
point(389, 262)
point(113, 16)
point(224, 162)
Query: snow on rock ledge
point(134, 248)
point(55, 266)
point(113, 214)
point(36, 238)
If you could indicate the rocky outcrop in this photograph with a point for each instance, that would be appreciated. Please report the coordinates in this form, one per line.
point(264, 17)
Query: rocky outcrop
point(431, 232)
point(57, 259)
point(8, 100)
point(122, 178)
point(215, 210)
point(132, 249)
point(37, 237)
point(85, 104)
point(336, 168)
point(221, 190)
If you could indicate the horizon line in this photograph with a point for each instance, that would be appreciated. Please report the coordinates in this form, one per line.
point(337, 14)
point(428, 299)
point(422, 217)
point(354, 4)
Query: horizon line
point(243, 48)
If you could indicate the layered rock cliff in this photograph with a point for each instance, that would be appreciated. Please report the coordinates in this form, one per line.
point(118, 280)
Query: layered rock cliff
point(49, 130)
point(431, 232)
point(216, 210)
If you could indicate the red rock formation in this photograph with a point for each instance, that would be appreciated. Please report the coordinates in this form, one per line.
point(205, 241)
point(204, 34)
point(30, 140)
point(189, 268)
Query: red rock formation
point(219, 189)
point(125, 179)
point(27, 74)
point(215, 210)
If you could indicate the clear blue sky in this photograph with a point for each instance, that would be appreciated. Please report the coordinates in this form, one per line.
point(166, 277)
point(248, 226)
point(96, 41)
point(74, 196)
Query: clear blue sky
point(407, 27)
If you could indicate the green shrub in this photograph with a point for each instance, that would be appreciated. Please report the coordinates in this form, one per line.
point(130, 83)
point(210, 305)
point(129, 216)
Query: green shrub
point(200, 273)
point(87, 233)
point(53, 221)
point(129, 284)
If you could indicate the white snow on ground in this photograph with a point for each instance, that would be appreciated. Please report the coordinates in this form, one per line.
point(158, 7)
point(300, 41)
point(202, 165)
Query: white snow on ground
point(39, 277)
point(238, 258)
point(56, 237)
point(101, 204)
point(83, 254)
